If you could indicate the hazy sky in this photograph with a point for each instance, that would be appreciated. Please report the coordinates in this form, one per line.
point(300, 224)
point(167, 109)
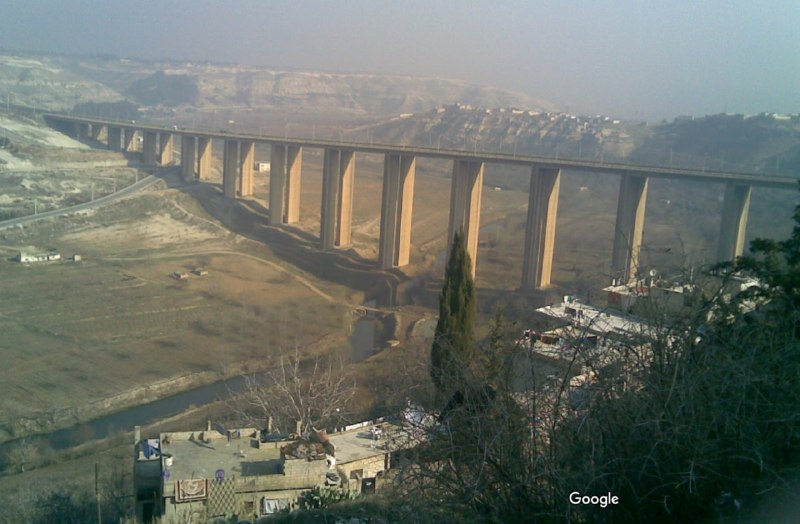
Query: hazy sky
point(623, 57)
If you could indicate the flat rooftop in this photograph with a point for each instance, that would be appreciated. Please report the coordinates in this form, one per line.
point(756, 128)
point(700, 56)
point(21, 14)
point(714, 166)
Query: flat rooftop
point(643, 290)
point(240, 457)
point(594, 320)
point(358, 444)
point(200, 454)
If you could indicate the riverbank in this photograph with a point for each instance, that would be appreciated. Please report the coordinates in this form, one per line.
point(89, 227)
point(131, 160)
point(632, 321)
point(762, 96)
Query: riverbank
point(41, 424)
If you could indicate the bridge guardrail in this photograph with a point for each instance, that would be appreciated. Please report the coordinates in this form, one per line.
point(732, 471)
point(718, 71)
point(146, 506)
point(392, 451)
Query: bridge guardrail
point(616, 166)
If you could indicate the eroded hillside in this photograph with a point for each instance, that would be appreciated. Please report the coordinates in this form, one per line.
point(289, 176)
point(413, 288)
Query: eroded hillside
point(59, 82)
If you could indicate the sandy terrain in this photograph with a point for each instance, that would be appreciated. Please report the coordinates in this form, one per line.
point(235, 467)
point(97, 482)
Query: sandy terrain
point(9, 161)
point(40, 135)
point(117, 320)
point(77, 333)
point(151, 232)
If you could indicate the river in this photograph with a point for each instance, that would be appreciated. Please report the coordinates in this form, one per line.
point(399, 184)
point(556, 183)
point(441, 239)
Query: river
point(362, 342)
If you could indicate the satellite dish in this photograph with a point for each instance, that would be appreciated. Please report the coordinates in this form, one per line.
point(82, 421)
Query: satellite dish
point(654, 272)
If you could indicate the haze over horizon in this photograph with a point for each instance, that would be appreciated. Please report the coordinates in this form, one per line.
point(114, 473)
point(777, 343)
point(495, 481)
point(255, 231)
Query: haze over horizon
point(616, 57)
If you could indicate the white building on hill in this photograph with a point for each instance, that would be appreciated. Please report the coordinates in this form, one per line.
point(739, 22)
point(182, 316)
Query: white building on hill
point(50, 256)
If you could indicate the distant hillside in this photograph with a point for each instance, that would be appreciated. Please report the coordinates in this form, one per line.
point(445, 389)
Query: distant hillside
point(510, 130)
point(423, 111)
point(764, 143)
point(761, 143)
point(361, 94)
point(47, 83)
point(66, 80)
point(163, 89)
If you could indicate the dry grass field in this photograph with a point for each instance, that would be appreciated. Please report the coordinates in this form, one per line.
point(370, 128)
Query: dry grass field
point(76, 333)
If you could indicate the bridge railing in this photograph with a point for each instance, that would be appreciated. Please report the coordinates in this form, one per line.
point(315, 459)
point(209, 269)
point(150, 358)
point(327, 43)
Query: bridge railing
point(664, 161)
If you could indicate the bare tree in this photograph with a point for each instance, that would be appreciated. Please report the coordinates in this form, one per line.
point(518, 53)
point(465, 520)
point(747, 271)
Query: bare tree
point(511, 445)
point(23, 454)
point(475, 456)
point(316, 392)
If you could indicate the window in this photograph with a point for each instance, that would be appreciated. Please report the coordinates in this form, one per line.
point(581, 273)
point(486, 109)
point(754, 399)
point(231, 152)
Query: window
point(368, 485)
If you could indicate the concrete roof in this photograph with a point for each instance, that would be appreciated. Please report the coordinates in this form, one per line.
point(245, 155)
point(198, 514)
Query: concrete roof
point(237, 457)
point(596, 321)
point(357, 444)
point(193, 457)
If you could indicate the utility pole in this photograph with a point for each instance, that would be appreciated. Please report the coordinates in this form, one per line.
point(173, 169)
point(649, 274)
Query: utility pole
point(97, 494)
point(92, 191)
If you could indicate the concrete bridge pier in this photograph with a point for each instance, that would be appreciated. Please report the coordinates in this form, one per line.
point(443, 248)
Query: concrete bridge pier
point(338, 174)
point(188, 157)
point(466, 191)
point(629, 229)
point(115, 138)
point(82, 131)
point(247, 155)
point(230, 168)
point(96, 131)
point(733, 226)
point(149, 147)
point(540, 232)
point(166, 142)
point(203, 158)
point(129, 140)
point(284, 184)
point(396, 207)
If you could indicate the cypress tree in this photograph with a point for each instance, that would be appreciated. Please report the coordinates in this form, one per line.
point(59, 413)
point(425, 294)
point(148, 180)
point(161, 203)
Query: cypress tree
point(453, 341)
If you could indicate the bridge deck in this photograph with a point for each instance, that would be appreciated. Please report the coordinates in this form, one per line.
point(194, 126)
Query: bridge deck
point(756, 179)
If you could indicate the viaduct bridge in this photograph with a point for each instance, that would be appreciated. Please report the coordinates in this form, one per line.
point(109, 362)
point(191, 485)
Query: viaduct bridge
point(398, 189)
